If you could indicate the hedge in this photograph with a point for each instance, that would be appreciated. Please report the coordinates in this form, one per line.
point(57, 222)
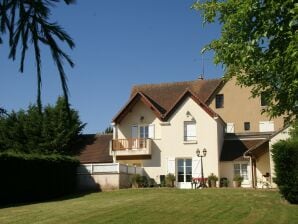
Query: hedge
point(27, 177)
point(285, 157)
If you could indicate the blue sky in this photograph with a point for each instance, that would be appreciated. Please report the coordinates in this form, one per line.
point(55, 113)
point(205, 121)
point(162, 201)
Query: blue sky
point(118, 44)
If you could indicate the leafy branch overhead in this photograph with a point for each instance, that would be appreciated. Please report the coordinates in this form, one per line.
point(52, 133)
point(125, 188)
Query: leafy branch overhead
point(28, 22)
point(258, 45)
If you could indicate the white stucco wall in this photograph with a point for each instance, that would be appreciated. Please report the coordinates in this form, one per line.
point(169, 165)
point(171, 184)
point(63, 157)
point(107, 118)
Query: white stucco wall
point(169, 138)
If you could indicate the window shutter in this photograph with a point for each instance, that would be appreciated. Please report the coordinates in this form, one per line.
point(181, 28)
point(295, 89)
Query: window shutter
point(151, 131)
point(230, 128)
point(191, 130)
point(196, 167)
point(171, 165)
point(266, 126)
point(134, 131)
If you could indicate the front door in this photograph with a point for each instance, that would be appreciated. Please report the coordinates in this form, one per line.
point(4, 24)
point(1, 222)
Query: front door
point(184, 173)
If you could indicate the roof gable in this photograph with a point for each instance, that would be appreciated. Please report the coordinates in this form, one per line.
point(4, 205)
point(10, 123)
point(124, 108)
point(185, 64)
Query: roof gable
point(139, 96)
point(163, 99)
point(167, 94)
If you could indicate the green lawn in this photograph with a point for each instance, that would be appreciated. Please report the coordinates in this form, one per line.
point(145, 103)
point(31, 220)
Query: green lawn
point(160, 206)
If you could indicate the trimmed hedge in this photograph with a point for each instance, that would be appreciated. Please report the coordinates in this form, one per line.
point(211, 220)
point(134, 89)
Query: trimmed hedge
point(285, 156)
point(27, 177)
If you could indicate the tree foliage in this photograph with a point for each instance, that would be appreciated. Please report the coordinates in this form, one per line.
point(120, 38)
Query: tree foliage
point(54, 130)
point(258, 45)
point(285, 157)
point(108, 130)
point(28, 22)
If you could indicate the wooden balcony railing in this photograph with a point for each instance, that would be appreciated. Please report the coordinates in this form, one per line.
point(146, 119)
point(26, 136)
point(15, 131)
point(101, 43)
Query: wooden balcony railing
point(130, 143)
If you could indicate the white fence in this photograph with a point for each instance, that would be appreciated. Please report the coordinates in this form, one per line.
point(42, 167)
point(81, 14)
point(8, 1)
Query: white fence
point(93, 168)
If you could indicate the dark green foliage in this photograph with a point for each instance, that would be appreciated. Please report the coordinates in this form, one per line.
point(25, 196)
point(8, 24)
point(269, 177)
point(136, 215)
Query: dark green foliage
point(35, 177)
point(52, 131)
point(108, 130)
point(285, 156)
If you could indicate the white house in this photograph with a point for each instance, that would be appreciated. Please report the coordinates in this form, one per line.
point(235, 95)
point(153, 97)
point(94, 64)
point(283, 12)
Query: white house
point(162, 126)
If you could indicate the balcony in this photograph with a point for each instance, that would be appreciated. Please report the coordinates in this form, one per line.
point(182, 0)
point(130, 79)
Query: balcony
point(130, 147)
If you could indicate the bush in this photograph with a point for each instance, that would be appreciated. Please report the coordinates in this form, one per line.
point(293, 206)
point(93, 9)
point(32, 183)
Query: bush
point(285, 157)
point(224, 182)
point(135, 180)
point(170, 178)
point(27, 178)
point(139, 181)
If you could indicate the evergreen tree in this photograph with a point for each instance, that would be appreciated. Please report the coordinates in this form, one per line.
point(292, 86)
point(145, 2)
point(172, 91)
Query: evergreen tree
point(53, 130)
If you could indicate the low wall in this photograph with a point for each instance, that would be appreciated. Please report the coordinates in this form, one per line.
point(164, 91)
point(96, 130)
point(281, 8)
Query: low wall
point(101, 177)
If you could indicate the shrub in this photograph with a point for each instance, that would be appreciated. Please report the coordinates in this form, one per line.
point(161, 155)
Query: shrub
point(27, 177)
point(135, 180)
point(170, 178)
point(224, 182)
point(285, 157)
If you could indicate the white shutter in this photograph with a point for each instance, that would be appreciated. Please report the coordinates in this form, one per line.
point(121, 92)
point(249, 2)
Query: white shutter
point(171, 165)
point(196, 167)
point(191, 130)
point(151, 131)
point(134, 131)
point(230, 128)
point(265, 126)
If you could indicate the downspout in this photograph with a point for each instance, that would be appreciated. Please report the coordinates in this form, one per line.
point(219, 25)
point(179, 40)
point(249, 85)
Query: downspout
point(252, 175)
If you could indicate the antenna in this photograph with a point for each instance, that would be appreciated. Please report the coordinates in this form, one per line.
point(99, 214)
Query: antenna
point(203, 66)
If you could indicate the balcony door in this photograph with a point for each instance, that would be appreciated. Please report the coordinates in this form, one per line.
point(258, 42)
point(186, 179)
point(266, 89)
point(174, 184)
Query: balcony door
point(139, 134)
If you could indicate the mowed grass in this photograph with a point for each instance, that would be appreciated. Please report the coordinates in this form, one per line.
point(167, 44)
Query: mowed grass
point(160, 206)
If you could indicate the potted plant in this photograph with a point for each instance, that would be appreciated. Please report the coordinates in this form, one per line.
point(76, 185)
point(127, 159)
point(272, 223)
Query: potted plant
point(170, 179)
point(224, 182)
point(237, 180)
point(212, 179)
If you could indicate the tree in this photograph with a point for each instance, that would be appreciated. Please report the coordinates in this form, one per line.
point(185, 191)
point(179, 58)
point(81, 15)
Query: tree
point(54, 130)
point(108, 130)
point(29, 22)
point(258, 45)
point(285, 157)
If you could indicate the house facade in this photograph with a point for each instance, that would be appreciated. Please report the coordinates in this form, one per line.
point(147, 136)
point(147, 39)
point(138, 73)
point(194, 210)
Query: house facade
point(163, 125)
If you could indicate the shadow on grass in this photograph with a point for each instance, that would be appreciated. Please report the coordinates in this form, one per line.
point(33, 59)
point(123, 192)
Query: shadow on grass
point(30, 201)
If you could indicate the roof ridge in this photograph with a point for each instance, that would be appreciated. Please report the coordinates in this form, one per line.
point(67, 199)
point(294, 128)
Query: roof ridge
point(171, 83)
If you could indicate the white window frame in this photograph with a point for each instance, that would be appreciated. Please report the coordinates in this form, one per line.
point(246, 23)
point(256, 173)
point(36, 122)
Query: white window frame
point(184, 166)
point(242, 171)
point(190, 131)
point(136, 131)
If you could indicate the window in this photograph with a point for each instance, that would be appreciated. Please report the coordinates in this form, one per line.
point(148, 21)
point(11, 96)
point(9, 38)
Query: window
point(246, 126)
point(264, 101)
point(266, 126)
point(230, 128)
point(219, 101)
point(190, 133)
point(241, 170)
point(142, 131)
point(184, 167)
